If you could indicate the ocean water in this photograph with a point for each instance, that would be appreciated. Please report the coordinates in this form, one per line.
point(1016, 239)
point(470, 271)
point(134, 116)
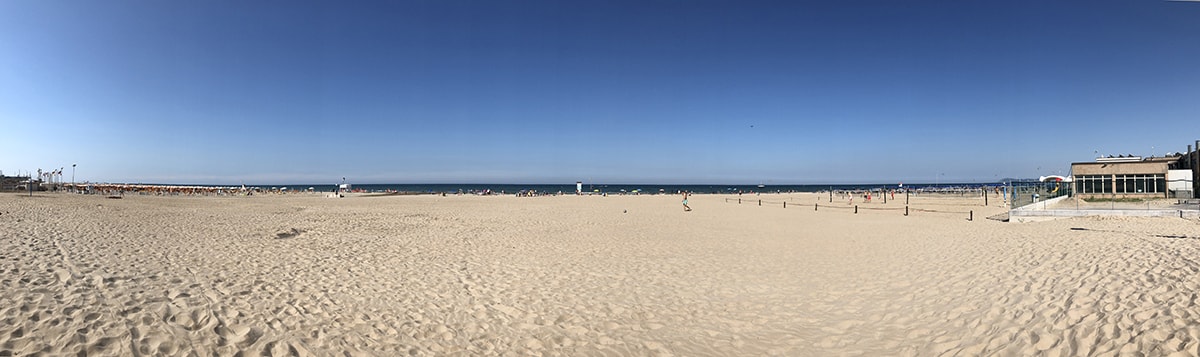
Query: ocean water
point(614, 188)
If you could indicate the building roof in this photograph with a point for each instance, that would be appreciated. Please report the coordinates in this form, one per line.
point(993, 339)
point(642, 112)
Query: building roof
point(1129, 159)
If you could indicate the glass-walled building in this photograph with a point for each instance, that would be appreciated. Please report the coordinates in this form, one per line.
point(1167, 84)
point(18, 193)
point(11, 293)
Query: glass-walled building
point(1122, 177)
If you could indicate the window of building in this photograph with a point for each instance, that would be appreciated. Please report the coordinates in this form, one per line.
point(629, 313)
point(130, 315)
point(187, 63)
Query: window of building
point(1093, 184)
point(1144, 183)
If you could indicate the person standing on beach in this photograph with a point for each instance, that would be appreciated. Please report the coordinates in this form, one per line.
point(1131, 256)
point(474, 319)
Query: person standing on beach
point(685, 205)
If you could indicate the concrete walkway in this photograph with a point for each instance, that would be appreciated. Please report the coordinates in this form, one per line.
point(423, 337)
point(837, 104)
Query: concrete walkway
point(1063, 207)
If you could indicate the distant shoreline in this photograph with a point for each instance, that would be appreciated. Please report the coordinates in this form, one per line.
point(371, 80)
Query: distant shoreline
point(523, 188)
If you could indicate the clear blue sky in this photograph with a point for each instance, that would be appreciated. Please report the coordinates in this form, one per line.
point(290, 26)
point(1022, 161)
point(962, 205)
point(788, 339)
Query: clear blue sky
point(790, 92)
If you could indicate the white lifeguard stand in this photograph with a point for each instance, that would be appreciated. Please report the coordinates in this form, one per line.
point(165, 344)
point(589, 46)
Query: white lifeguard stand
point(578, 187)
point(343, 187)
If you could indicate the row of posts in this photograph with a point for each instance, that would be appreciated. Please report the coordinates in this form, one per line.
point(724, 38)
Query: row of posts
point(970, 214)
point(884, 194)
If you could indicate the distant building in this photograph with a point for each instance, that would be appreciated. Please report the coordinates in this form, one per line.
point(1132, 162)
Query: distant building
point(1129, 176)
point(12, 183)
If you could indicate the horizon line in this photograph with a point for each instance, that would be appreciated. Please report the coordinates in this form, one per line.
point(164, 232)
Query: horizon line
point(553, 184)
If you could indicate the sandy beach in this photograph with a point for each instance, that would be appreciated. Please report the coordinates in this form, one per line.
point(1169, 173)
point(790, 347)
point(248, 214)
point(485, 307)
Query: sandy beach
point(307, 275)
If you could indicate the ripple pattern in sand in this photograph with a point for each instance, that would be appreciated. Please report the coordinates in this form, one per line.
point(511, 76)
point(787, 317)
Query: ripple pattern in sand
point(560, 276)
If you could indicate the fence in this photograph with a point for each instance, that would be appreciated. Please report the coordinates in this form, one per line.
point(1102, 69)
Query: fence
point(1022, 193)
point(818, 206)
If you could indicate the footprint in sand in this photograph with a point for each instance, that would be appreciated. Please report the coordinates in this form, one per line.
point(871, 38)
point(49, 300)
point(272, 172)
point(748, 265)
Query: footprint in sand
point(291, 233)
point(239, 335)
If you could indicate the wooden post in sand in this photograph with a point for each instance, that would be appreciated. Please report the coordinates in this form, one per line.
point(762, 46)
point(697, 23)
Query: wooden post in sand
point(971, 215)
point(739, 201)
point(760, 202)
point(784, 204)
point(984, 196)
point(905, 210)
point(814, 207)
point(855, 209)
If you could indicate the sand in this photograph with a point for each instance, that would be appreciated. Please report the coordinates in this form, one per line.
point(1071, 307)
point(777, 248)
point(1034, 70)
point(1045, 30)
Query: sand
point(566, 276)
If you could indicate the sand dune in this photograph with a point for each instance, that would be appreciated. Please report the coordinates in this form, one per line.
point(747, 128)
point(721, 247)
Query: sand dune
point(617, 275)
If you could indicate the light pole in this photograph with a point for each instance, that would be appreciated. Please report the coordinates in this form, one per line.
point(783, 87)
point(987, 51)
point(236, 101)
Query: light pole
point(73, 188)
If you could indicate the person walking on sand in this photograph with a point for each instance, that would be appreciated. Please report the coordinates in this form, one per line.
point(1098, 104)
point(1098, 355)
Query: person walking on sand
point(685, 205)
